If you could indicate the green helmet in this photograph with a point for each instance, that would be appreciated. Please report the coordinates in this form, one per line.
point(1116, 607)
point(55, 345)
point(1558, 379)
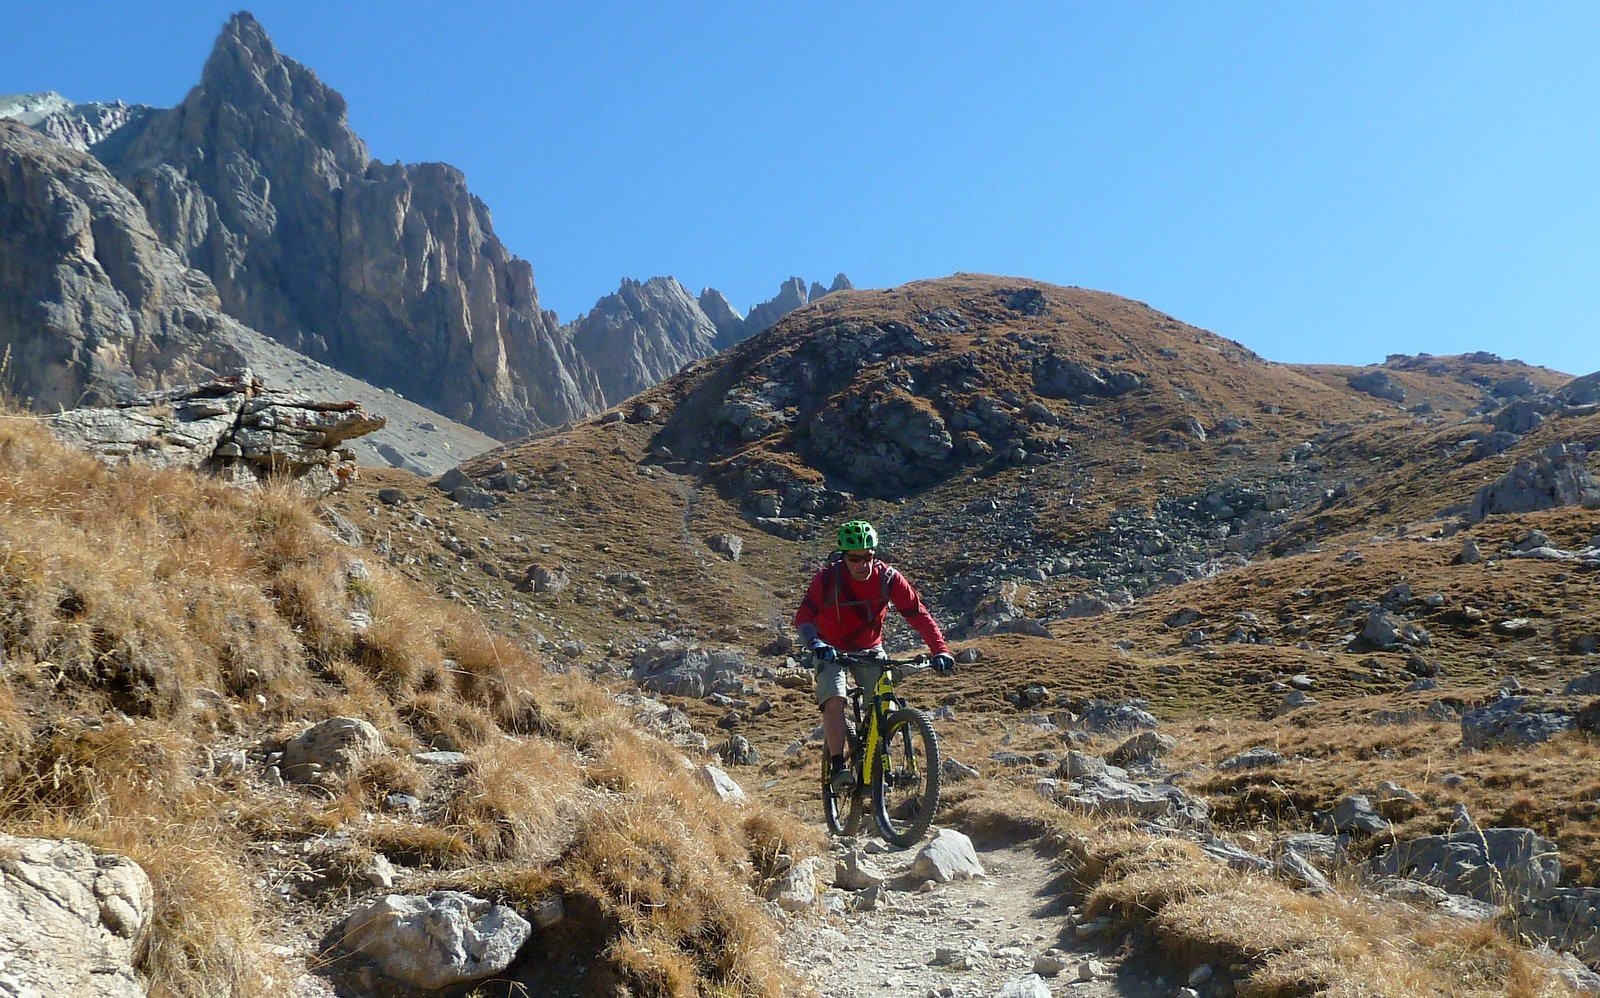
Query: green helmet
point(857, 535)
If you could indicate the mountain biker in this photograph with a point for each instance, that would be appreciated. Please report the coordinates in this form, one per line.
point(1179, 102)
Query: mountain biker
point(844, 611)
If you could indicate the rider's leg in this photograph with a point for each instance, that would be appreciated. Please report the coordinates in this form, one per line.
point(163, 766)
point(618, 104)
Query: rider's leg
point(833, 725)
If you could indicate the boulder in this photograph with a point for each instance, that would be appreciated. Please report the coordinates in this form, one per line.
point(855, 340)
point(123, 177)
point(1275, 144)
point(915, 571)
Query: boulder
point(1105, 716)
point(730, 546)
point(798, 889)
point(330, 747)
point(1488, 865)
point(437, 940)
point(1251, 759)
point(1567, 918)
point(855, 872)
point(1519, 417)
point(739, 752)
point(1059, 378)
point(1377, 384)
point(1297, 870)
point(954, 771)
point(73, 921)
point(1143, 748)
point(1511, 721)
point(686, 669)
point(1384, 630)
point(1587, 684)
point(1355, 814)
point(949, 856)
point(1026, 986)
point(1322, 848)
point(1558, 476)
point(1108, 794)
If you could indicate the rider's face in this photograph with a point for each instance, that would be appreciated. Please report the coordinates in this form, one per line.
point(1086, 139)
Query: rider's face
point(859, 563)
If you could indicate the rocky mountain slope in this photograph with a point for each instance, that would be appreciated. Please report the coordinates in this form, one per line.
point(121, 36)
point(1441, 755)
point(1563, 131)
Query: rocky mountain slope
point(90, 299)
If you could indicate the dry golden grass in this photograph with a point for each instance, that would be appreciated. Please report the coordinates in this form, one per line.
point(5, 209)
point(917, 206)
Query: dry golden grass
point(1270, 940)
point(148, 617)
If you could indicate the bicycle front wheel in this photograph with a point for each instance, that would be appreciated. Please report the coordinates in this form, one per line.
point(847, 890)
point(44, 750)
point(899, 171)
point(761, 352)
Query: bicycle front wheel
point(907, 789)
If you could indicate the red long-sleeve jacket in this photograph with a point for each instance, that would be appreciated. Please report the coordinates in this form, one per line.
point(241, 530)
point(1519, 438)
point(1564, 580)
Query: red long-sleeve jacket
point(849, 615)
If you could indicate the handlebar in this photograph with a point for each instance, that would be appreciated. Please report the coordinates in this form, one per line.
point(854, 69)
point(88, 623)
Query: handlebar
point(915, 664)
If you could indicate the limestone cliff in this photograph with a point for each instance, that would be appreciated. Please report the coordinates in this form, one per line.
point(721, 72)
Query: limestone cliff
point(391, 273)
point(92, 305)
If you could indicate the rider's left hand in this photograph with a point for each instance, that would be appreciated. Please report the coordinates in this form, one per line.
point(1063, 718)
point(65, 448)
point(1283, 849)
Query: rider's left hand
point(943, 664)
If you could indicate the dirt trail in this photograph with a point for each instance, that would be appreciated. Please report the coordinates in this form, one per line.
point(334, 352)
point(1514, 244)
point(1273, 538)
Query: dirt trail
point(998, 924)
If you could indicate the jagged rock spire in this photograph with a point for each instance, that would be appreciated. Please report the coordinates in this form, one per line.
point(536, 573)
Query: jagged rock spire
point(391, 273)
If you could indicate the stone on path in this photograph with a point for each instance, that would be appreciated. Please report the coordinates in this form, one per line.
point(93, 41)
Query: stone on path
point(1030, 986)
point(855, 872)
point(950, 856)
point(798, 889)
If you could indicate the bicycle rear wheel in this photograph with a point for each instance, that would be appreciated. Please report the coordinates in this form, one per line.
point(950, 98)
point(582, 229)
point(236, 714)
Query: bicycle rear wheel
point(906, 792)
point(842, 812)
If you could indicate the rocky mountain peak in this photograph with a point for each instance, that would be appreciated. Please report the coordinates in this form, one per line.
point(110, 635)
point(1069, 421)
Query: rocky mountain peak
point(390, 273)
point(729, 323)
point(77, 125)
point(246, 73)
point(642, 334)
point(30, 109)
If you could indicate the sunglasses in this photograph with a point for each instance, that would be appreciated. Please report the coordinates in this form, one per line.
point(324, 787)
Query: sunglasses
point(858, 557)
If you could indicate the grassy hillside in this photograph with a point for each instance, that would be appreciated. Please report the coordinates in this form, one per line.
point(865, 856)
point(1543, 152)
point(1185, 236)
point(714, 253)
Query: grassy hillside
point(153, 621)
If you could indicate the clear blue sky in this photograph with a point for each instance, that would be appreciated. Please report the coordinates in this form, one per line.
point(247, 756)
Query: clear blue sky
point(1322, 182)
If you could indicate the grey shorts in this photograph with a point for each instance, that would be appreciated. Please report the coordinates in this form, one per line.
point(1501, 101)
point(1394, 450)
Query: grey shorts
point(831, 679)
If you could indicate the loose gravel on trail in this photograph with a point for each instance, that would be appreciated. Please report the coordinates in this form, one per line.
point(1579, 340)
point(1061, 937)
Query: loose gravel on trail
point(964, 938)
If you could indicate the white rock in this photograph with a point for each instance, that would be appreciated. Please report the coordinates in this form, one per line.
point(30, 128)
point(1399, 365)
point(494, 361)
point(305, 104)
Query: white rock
point(331, 746)
point(435, 941)
point(1050, 963)
point(1031, 986)
point(854, 872)
point(380, 872)
point(72, 920)
point(724, 785)
point(950, 856)
point(797, 891)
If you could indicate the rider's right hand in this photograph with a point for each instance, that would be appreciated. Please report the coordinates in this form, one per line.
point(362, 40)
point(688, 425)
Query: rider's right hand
point(821, 651)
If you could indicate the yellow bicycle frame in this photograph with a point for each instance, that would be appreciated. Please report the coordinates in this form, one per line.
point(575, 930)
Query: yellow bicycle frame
point(881, 694)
